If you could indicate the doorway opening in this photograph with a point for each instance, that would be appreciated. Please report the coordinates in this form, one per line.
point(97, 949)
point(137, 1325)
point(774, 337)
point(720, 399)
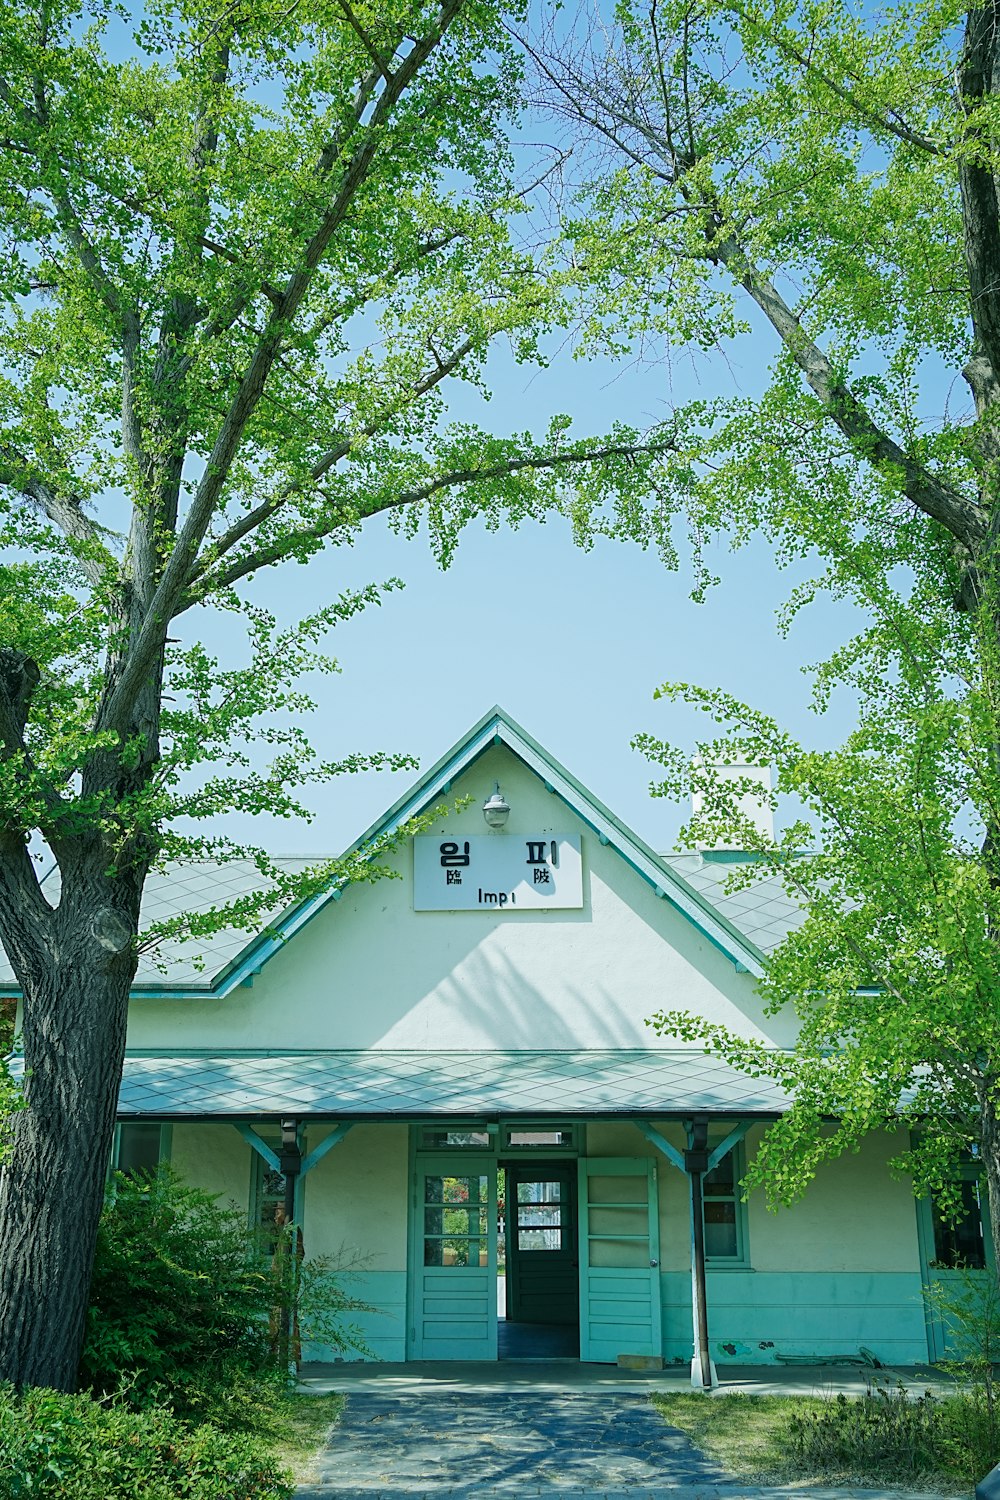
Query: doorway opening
point(538, 1273)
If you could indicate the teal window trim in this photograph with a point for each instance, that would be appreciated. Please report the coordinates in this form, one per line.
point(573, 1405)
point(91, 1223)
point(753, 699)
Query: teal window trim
point(268, 1160)
point(572, 1148)
point(741, 1260)
point(166, 1142)
point(925, 1228)
point(422, 1142)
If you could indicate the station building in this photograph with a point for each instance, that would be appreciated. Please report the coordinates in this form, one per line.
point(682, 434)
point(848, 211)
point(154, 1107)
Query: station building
point(461, 1062)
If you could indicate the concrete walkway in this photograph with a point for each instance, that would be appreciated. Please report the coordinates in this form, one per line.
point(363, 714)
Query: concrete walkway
point(560, 1429)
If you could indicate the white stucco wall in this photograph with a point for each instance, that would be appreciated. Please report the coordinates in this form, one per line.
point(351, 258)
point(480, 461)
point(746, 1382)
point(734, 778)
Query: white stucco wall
point(855, 1216)
point(836, 1272)
point(369, 971)
point(839, 1269)
point(215, 1158)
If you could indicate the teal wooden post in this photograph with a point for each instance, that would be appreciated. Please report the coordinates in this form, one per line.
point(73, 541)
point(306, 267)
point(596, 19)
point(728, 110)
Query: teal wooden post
point(702, 1363)
point(703, 1371)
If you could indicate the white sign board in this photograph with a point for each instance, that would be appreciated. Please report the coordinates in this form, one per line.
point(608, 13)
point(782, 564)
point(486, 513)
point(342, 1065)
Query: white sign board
point(502, 871)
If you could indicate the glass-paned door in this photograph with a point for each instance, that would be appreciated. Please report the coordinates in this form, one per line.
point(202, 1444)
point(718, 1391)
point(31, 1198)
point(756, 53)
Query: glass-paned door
point(619, 1259)
point(542, 1243)
point(453, 1258)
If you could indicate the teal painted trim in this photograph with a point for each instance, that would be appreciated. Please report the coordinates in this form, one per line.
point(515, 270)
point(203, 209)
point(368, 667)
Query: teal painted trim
point(460, 758)
point(728, 1142)
point(495, 728)
point(327, 1144)
point(256, 1144)
point(674, 1157)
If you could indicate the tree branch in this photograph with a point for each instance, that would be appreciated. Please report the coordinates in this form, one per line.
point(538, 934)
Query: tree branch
point(890, 121)
point(19, 677)
point(364, 39)
point(965, 519)
point(266, 556)
point(147, 644)
point(978, 76)
point(269, 507)
point(65, 513)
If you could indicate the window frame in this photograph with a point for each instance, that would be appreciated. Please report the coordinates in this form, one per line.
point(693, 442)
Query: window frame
point(740, 1261)
point(457, 1127)
point(567, 1127)
point(271, 1136)
point(165, 1147)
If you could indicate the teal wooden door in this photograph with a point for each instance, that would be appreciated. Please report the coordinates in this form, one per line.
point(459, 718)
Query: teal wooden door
point(453, 1258)
point(619, 1259)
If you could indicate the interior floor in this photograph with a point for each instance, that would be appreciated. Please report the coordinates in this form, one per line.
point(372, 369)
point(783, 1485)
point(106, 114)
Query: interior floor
point(517, 1340)
point(537, 1340)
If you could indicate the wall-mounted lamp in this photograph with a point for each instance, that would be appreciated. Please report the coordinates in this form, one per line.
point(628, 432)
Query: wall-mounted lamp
point(496, 809)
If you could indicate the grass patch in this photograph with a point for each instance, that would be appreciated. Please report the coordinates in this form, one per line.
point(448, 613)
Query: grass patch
point(747, 1435)
point(301, 1424)
point(811, 1439)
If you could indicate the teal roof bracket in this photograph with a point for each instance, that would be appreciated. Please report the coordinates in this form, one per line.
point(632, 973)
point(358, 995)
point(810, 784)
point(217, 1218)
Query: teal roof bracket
point(256, 1144)
point(727, 1143)
point(674, 1157)
point(327, 1144)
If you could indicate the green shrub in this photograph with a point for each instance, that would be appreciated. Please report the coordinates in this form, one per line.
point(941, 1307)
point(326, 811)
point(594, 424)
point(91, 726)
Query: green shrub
point(56, 1447)
point(176, 1292)
point(185, 1303)
point(969, 1306)
point(884, 1430)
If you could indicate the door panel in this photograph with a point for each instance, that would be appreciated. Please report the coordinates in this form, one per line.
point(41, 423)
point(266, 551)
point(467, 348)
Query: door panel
point(454, 1259)
point(619, 1259)
point(542, 1245)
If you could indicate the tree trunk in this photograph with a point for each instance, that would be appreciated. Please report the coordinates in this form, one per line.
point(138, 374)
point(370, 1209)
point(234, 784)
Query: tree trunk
point(52, 1191)
point(989, 1129)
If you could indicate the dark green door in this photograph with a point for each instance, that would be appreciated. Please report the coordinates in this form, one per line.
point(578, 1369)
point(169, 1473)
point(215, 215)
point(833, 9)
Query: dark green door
point(543, 1277)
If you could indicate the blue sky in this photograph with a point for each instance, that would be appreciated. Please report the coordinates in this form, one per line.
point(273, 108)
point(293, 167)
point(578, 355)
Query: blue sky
point(571, 643)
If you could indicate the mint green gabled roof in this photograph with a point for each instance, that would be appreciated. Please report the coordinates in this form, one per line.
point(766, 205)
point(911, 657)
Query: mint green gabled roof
point(377, 1084)
point(218, 964)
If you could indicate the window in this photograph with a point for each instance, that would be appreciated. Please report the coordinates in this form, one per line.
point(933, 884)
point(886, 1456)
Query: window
point(960, 1245)
point(455, 1220)
point(540, 1137)
point(540, 1209)
point(140, 1146)
point(725, 1231)
point(457, 1138)
point(268, 1192)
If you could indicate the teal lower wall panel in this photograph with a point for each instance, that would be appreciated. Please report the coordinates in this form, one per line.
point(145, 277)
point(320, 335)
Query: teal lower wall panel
point(754, 1316)
point(382, 1324)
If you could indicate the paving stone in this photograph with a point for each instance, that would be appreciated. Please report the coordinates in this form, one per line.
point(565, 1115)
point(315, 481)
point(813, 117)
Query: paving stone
point(570, 1445)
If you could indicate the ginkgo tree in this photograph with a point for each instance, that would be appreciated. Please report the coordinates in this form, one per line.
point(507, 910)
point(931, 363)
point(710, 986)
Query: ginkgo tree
point(814, 190)
point(245, 248)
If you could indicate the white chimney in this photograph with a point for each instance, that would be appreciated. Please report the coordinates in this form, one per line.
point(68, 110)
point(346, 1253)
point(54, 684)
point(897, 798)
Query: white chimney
point(753, 806)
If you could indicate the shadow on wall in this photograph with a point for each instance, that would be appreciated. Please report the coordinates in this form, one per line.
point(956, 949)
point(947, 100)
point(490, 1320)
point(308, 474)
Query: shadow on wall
point(560, 980)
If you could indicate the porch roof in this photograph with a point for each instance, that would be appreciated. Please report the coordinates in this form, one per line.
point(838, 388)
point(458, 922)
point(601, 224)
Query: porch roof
point(385, 1084)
